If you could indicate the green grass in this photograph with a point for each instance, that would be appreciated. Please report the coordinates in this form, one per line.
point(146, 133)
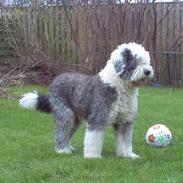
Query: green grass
point(27, 146)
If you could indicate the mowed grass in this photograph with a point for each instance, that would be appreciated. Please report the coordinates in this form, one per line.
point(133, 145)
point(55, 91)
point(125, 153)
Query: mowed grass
point(27, 146)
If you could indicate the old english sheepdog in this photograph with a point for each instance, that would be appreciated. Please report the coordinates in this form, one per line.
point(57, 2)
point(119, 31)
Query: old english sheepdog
point(110, 97)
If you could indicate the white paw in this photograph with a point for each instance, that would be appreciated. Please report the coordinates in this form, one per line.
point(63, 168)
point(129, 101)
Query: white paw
point(92, 156)
point(65, 150)
point(131, 155)
point(72, 148)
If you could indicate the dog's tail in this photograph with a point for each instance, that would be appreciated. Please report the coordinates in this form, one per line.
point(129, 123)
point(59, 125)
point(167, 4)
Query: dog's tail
point(36, 101)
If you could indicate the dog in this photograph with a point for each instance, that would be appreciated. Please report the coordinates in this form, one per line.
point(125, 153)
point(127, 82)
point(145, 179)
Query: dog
point(110, 97)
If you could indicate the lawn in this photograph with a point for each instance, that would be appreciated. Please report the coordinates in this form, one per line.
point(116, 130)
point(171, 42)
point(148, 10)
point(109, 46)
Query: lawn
point(27, 146)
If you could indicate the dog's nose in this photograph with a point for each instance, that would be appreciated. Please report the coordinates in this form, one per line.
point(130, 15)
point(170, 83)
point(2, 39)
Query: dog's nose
point(147, 72)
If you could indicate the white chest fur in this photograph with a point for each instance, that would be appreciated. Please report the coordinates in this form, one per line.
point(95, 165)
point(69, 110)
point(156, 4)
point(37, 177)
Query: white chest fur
point(125, 107)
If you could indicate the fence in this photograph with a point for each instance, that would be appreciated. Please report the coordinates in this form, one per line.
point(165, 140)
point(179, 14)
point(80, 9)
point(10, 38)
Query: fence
point(170, 70)
point(82, 37)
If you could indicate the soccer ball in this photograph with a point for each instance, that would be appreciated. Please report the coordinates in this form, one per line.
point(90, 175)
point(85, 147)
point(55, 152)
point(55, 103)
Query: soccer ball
point(158, 135)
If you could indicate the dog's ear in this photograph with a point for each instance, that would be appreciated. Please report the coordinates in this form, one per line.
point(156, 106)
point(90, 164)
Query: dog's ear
point(127, 56)
point(125, 61)
point(129, 59)
point(119, 67)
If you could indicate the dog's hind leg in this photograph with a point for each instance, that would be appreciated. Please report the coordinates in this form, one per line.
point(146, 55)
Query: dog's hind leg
point(77, 124)
point(64, 125)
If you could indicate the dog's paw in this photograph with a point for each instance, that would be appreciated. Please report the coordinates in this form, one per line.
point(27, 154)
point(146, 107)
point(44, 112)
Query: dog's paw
point(65, 150)
point(131, 155)
point(72, 148)
point(92, 156)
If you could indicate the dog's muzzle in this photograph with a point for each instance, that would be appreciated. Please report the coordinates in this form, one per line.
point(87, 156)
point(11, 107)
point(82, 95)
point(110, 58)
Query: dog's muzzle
point(147, 72)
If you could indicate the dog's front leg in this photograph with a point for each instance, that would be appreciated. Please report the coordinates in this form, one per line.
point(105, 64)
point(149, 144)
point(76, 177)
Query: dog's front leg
point(94, 136)
point(124, 133)
point(93, 143)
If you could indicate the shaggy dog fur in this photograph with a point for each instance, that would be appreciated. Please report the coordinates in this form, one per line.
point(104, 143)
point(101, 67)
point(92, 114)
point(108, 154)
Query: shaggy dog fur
point(109, 97)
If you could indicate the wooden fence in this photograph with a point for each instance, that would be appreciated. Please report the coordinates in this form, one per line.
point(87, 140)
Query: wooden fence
point(83, 37)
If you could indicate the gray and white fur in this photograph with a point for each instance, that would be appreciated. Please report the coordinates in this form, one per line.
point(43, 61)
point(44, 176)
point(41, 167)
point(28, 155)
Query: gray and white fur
point(110, 97)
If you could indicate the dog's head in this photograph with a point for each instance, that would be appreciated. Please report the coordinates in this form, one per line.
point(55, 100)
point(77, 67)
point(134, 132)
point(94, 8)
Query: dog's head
point(132, 63)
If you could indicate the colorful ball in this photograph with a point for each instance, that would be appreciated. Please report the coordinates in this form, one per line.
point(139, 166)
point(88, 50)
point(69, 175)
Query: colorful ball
point(158, 135)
